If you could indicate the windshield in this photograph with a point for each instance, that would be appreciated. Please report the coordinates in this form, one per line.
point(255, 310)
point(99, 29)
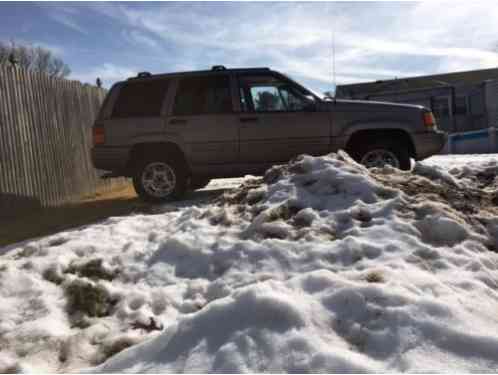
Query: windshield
point(309, 93)
point(321, 96)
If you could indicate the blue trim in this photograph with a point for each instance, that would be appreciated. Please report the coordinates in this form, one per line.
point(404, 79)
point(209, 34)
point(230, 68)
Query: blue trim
point(458, 137)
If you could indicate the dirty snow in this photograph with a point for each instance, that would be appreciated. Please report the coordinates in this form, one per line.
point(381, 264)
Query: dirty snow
point(321, 265)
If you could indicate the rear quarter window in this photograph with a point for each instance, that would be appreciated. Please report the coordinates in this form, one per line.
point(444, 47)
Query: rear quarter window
point(140, 99)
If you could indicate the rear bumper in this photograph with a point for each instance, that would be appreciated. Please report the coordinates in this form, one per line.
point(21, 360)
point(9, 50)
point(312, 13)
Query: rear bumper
point(428, 144)
point(110, 158)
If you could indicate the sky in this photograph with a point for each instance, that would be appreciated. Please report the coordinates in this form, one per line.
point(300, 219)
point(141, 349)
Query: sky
point(373, 40)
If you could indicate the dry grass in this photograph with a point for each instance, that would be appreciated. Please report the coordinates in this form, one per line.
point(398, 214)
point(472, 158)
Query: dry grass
point(89, 209)
point(375, 277)
point(86, 298)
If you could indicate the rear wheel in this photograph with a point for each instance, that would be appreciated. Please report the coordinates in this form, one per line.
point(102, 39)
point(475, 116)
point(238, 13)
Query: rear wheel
point(381, 153)
point(159, 179)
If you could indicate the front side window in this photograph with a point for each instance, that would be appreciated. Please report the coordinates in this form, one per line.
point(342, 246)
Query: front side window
point(203, 95)
point(269, 94)
point(267, 98)
point(140, 98)
point(292, 101)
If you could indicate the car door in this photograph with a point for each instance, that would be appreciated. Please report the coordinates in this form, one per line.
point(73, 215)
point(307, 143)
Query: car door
point(203, 114)
point(278, 121)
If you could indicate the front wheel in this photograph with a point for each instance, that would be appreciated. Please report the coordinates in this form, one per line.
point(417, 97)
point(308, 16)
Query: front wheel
point(159, 179)
point(379, 154)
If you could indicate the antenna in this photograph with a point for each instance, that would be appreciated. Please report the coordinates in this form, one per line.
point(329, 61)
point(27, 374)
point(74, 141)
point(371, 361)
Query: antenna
point(333, 78)
point(333, 59)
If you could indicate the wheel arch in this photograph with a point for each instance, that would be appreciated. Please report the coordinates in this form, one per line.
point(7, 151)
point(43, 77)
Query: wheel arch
point(365, 136)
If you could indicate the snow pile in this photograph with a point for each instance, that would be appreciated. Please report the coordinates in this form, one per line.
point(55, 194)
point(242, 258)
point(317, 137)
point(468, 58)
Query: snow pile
point(321, 265)
point(479, 170)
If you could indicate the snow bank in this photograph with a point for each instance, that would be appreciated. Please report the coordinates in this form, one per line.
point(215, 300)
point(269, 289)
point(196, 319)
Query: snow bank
point(322, 265)
point(479, 170)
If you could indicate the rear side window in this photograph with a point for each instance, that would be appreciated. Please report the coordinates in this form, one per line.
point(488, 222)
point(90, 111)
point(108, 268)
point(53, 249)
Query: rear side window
point(203, 95)
point(141, 98)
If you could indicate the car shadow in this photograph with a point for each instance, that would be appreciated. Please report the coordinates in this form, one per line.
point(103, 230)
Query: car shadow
point(195, 198)
point(46, 221)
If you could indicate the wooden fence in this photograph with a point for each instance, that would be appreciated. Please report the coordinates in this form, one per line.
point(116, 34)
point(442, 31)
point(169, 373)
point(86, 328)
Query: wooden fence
point(45, 140)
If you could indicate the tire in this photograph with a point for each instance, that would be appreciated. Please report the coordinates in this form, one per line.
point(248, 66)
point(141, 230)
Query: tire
point(377, 152)
point(199, 183)
point(159, 179)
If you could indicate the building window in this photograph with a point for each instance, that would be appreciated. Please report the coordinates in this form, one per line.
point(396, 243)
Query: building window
point(476, 105)
point(440, 107)
point(460, 105)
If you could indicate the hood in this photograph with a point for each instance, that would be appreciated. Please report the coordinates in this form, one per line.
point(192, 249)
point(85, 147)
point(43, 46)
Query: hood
point(374, 106)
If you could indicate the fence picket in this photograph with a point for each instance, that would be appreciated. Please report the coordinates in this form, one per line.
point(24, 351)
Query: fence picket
point(19, 183)
point(39, 140)
point(30, 142)
point(48, 154)
point(11, 140)
point(49, 126)
point(4, 119)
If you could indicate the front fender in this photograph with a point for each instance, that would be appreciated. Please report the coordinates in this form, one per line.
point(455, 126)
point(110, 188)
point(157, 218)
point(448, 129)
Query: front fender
point(342, 139)
point(348, 131)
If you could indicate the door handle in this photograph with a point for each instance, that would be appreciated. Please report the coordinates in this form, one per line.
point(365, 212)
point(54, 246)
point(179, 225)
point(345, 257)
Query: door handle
point(249, 119)
point(177, 121)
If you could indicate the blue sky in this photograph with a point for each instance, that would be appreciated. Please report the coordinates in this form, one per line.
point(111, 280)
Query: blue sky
point(374, 40)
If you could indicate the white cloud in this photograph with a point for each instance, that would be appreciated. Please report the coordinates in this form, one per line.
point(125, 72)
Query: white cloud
point(373, 40)
point(107, 72)
point(140, 38)
point(65, 16)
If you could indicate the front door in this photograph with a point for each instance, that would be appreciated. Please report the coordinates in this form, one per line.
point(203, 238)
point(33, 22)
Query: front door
point(278, 121)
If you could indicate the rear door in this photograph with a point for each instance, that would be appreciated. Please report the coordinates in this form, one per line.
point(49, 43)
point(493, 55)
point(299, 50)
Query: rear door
point(203, 114)
point(278, 121)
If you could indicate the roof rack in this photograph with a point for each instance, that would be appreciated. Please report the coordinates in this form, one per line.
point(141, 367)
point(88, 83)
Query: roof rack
point(215, 68)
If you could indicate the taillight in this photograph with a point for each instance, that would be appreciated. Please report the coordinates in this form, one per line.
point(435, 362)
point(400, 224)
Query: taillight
point(429, 120)
point(98, 134)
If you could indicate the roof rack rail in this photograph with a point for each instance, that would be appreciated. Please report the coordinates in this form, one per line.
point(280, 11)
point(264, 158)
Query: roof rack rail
point(218, 68)
point(143, 74)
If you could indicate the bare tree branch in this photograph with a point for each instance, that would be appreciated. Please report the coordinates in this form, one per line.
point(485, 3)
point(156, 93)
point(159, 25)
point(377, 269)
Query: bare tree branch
point(4, 53)
point(33, 58)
